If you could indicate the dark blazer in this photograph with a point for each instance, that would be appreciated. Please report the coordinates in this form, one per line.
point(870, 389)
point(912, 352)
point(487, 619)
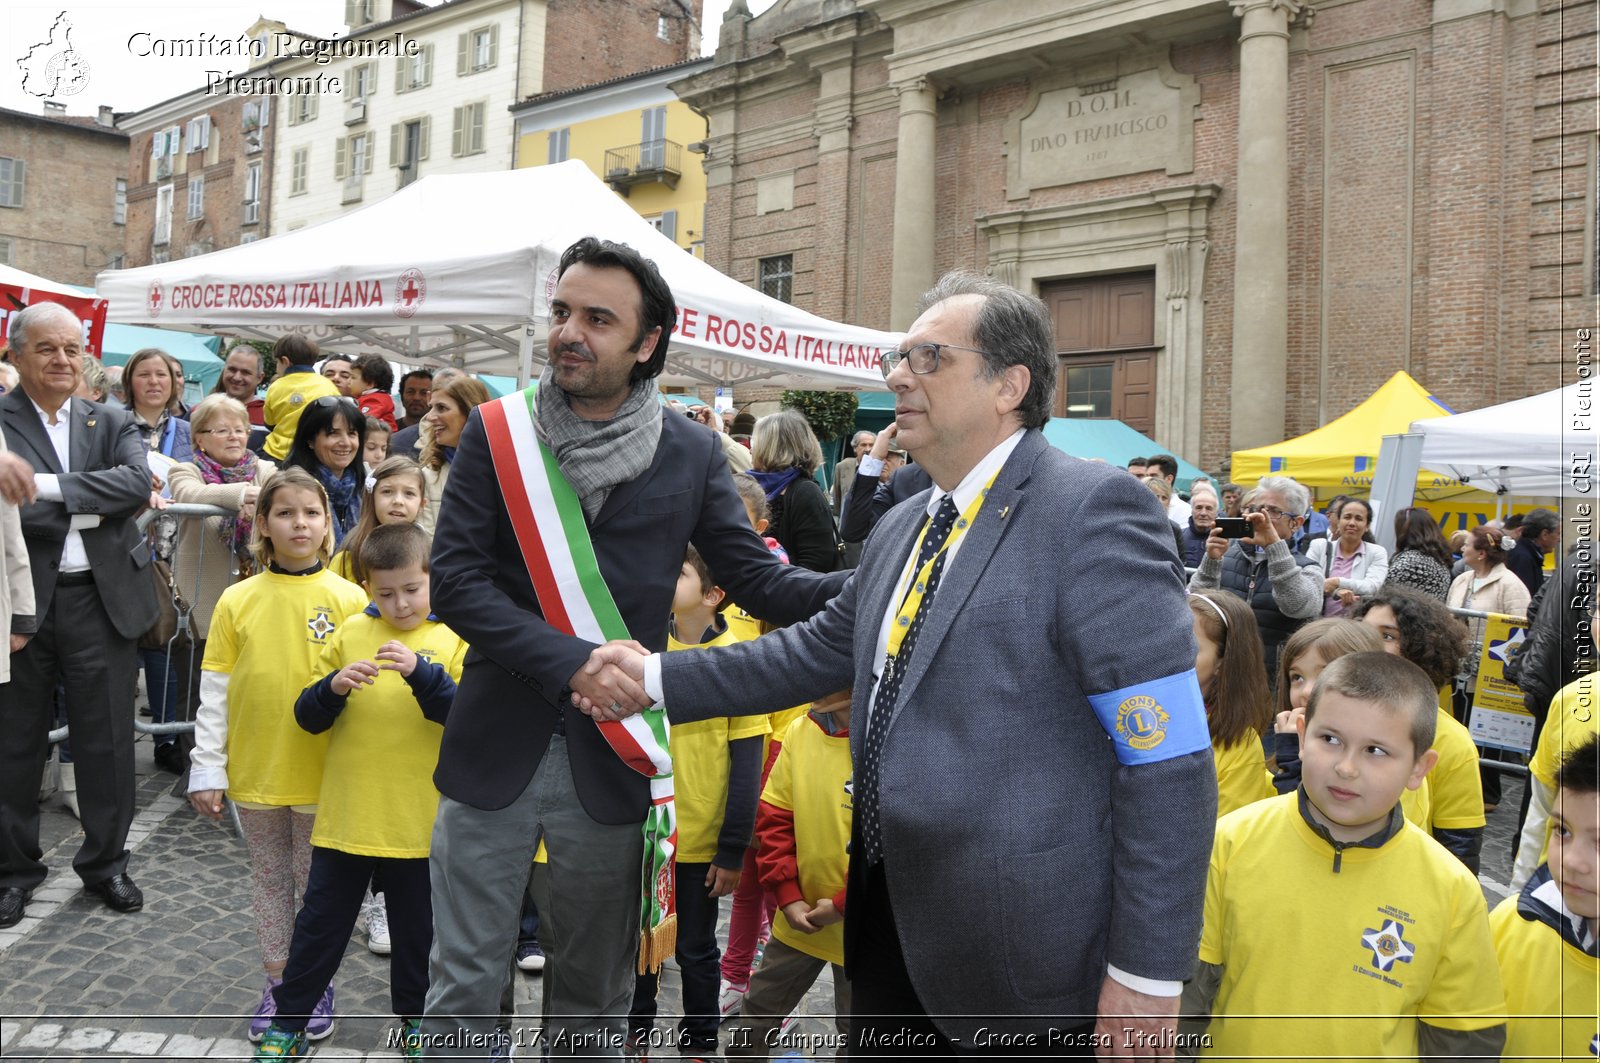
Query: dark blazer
point(513, 690)
point(869, 500)
point(1005, 789)
point(107, 476)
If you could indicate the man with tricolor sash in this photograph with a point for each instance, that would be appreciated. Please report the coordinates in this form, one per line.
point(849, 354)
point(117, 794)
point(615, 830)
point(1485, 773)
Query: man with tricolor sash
point(563, 526)
point(1033, 790)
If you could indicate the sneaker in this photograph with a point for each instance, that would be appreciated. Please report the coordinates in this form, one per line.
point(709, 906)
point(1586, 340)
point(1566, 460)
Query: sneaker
point(280, 1044)
point(321, 1024)
point(411, 1039)
point(266, 1011)
point(377, 920)
point(731, 999)
point(530, 957)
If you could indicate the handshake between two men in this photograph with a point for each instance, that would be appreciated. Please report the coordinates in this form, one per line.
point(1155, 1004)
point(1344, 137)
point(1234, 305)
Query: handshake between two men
point(610, 686)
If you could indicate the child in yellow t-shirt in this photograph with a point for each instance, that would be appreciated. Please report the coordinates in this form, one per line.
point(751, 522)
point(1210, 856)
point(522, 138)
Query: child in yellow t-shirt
point(1572, 721)
point(1227, 665)
point(803, 826)
point(750, 922)
point(389, 677)
point(267, 634)
point(716, 773)
point(1334, 927)
point(295, 386)
point(1424, 632)
point(1545, 936)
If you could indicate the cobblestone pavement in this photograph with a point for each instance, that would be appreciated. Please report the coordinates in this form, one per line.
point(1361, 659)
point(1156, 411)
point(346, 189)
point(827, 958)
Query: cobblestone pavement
point(179, 979)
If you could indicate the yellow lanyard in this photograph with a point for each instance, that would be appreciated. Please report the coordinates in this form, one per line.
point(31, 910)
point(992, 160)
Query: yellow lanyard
point(919, 583)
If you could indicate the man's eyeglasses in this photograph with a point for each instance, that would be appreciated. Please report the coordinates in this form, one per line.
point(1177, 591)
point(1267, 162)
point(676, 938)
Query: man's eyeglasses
point(921, 359)
point(1272, 512)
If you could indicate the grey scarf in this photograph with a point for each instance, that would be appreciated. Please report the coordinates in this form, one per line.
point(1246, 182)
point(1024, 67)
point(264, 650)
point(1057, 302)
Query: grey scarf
point(596, 456)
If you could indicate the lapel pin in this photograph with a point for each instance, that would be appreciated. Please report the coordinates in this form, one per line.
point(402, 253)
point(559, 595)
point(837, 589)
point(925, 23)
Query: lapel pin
point(1003, 511)
point(89, 423)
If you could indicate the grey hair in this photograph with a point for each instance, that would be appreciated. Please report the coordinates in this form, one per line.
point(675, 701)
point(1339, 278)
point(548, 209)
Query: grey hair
point(1298, 498)
point(23, 319)
point(94, 374)
point(1204, 487)
point(785, 440)
point(1011, 328)
point(1541, 520)
point(855, 439)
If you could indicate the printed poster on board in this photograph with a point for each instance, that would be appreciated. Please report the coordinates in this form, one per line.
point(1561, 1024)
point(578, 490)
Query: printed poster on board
point(1499, 720)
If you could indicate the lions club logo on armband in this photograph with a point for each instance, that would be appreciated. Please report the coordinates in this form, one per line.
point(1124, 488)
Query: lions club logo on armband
point(321, 625)
point(1142, 722)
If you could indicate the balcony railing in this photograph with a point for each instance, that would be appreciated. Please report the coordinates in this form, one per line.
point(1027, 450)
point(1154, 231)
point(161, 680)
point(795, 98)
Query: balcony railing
point(637, 164)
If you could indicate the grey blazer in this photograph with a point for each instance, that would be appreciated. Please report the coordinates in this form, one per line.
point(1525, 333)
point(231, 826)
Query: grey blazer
point(107, 476)
point(1047, 790)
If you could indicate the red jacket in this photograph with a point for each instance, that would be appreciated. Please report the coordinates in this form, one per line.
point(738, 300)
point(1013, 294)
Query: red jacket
point(378, 404)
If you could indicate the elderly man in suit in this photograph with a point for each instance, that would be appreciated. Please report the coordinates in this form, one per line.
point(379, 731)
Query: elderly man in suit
point(1033, 790)
point(518, 762)
point(80, 468)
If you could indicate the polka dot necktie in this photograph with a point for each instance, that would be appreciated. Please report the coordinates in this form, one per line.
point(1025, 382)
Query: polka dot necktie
point(894, 670)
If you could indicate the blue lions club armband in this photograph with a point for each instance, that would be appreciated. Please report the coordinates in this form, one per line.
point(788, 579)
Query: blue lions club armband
point(1154, 721)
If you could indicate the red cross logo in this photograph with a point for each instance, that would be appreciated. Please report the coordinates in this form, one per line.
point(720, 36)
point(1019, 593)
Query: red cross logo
point(409, 292)
point(153, 300)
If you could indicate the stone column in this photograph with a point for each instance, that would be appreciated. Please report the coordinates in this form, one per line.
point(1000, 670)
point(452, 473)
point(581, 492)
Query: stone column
point(913, 201)
point(1261, 244)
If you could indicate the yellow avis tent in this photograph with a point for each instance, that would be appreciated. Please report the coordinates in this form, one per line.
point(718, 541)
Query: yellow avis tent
point(1343, 453)
point(1341, 456)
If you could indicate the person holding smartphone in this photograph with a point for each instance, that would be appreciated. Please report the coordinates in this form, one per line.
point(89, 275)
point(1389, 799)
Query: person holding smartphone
point(1280, 585)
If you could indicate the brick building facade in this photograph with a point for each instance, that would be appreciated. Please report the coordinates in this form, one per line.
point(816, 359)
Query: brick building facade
point(1418, 180)
point(61, 204)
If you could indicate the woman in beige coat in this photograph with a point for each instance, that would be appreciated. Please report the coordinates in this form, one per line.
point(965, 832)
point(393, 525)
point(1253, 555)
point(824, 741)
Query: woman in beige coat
point(16, 578)
point(448, 409)
point(213, 553)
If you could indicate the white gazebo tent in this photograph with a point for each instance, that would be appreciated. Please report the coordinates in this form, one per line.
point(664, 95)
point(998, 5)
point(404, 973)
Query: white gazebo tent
point(1524, 447)
point(460, 269)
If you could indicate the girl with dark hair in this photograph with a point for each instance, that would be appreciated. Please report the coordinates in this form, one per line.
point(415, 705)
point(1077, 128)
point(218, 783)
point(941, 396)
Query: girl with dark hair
point(1234, 686)
point(1422, 558)
point(1421, 630)
point(328, 443)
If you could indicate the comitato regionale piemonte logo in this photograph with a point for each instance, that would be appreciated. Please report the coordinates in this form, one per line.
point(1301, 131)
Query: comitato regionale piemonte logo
point(53, 67)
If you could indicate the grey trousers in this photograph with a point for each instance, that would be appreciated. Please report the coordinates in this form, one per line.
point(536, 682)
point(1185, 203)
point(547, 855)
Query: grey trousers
point(785, 977)
point(588, 898)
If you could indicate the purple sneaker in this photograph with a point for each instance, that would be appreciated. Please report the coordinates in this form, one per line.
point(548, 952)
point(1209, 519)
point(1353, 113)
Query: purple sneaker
point(321, 1022)
point(266, 1011)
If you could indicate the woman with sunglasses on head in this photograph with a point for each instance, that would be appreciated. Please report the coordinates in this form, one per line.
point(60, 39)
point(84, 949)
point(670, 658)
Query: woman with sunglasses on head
point(328, 443)
point(1421, 556)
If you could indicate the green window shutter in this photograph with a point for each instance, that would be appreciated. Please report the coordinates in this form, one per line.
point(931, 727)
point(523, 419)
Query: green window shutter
point(424, 137)
point(427, 65)
point(394, 144)
point(463, 54)
point(456, 128)
point(669, 224)
point(338, 159)
point(401, 65)
point(494, 44)
point(371, 150)
point(475, 140)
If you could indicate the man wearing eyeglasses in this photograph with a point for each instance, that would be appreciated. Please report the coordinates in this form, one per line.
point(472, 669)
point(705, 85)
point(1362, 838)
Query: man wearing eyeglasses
point(1284, 588)
point(1033, 790)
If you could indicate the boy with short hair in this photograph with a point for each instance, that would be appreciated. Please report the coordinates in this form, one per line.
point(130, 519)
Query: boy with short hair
point(1332, 925)
point(716, 773)
point(1546, 935)
point(803, 826)
point(390, 676)
point(295, 385)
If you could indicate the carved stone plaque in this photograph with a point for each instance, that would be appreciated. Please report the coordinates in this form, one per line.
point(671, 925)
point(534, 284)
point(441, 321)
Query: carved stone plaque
point(1072, 129)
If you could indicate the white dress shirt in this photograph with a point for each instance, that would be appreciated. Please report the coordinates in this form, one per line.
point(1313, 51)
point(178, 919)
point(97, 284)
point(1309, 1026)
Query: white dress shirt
point(74, 558)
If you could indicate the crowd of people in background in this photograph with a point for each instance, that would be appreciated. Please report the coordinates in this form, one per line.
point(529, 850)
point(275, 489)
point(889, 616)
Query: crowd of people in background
point(338, 508)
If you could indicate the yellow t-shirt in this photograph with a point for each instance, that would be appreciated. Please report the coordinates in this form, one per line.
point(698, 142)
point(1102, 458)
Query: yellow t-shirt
point(1454, 784)
point(700, 765)
point(339, 565)
point(1573, 718)
point(743, 627)
point(287, 397)
point(1317, 962)
point(267, 634)
point(1242, 777)
point(1417, 805)
point(378, 797)
point(1552, 989)
point(811, 778)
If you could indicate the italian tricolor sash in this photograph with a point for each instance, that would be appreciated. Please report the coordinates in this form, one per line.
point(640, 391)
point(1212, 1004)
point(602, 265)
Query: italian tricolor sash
point(554, 539)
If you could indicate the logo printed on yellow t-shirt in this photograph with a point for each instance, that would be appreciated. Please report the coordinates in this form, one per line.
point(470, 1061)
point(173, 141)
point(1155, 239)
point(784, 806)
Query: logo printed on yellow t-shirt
point(1142, 722)
point(321, 622)
point(1389, 945)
